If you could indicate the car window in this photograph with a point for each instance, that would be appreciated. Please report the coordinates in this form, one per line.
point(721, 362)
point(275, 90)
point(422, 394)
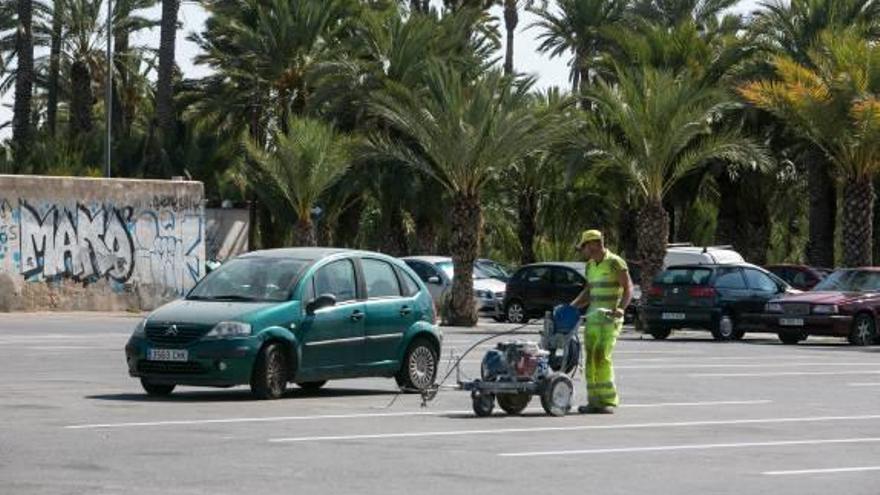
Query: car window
point(730, 278)
point(409, 285)
point(338, 279)
point(801, 279)
point(251, 278)
point(538, 274)
point(851, 281)
point(685, 276)
point(423, 270)
point(563, 276)
point(380, 279)
point(760, 281)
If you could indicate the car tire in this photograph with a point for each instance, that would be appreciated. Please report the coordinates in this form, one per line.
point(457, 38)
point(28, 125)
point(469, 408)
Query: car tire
point(499, 318)
point(157, 389)
point(725, 329)
point(482, 403)
point(312, 387)
point(556, 398)
point(660, 333)
point(514, 404)
point(792, 338)
point(516, 313)
point(419, 368)
point(270, 374)
point(864, 330)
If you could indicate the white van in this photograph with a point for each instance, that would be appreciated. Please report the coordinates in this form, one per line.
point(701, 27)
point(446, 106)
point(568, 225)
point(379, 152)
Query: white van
point(678, 254)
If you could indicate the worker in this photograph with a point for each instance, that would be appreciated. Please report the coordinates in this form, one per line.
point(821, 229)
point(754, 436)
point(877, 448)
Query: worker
point(606, 295)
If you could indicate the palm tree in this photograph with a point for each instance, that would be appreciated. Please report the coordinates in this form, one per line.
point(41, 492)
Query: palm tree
point(83, 55)
point(22, 128)
point(579, 29)
point(833, 102)
point(658, 128)
point(669, 13)
point(299, 167)
point(164, 94)
point(461, 132)
point(511, 20)
point(126, 61)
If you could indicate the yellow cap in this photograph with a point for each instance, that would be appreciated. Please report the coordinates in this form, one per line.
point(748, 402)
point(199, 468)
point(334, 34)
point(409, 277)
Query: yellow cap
point(589, 236)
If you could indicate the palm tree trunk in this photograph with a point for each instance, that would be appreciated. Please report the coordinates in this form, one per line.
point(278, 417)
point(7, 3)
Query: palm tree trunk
point(164, 95)
point(426, 235)
point(822, 213)
point(304, 232)
point(81, 99)
point(121, 112)
point(511, 19)
point(528, 221)
point(858, 221)
point(653, 231)
point(54, 67)
point(24, 82)
point(627, 234)
point(466, 228)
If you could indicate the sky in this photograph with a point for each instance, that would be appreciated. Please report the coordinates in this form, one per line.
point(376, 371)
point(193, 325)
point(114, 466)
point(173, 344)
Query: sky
point(550, 72)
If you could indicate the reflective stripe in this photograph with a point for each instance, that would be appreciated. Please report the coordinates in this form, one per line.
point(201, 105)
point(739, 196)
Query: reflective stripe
point(602, 285)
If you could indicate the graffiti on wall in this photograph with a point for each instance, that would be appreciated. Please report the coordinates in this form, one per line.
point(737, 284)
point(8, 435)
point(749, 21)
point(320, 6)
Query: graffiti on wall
point(160, 244)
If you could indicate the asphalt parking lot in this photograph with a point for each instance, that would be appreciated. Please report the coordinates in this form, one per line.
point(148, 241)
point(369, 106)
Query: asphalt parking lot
point(696, 417)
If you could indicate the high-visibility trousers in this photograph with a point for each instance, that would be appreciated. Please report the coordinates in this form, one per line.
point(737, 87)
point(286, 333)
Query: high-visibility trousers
point(600, 336)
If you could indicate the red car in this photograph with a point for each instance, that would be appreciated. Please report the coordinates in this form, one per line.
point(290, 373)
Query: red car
point(845, 304)
point(800, 277)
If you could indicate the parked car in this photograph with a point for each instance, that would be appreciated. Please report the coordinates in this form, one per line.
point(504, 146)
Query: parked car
point(304, 315)
point(539, 287)
point(799, 276)
point(726, 299)
point(845, 304)
point(494, 269)
point(436, 272)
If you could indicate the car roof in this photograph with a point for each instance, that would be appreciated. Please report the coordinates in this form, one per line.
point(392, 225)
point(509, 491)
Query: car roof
point(429, 259)
point(715, 265)
point(306, 253)
point(574, 265)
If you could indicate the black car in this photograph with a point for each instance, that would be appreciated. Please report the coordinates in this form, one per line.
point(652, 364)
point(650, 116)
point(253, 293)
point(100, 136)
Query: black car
point(725, 299)
point(537, 288)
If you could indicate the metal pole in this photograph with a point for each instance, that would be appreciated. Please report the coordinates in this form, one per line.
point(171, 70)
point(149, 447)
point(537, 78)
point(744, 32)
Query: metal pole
point(108, 105)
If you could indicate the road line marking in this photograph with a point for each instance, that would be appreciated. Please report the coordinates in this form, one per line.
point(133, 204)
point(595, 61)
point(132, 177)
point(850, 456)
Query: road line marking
point(786, 373)
point(734, 365)
point(823, 471)
point(864, 384)
point(373, 415)
point(451, 433)
point(704, 446)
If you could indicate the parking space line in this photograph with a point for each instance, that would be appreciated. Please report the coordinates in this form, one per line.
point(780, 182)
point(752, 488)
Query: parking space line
point(785, 373)
point(735, 365)
point(866, 384)
point(823, 471)
point(704, 446)
point(374, 415)
point(546, 429)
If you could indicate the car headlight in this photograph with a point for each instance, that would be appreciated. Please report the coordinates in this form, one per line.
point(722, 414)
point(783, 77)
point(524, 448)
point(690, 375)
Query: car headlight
point(229, 330)
point(773, 307)
point(140, 329)
point(825, 309)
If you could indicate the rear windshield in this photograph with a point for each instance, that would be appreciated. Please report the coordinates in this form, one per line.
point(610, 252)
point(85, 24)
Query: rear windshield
point(851, 281)
point(684, 276)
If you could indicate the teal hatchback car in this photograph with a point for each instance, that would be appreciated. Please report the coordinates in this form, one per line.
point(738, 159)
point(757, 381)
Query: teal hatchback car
point(303, 315)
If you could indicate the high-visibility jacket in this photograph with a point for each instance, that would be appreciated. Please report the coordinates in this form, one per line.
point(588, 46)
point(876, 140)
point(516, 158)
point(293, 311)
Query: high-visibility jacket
point(603, 279)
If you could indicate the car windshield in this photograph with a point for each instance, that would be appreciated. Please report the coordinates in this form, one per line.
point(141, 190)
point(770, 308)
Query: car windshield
point(851, 281)
point(493, 270)
point(447, 268)
point(257, 279)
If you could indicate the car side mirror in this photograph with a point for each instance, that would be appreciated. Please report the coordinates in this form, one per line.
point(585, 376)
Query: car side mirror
point(322, 301)
point(434, 280)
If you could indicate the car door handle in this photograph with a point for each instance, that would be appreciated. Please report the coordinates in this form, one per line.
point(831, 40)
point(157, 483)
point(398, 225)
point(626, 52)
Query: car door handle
point(357, 316)
point(404, 311)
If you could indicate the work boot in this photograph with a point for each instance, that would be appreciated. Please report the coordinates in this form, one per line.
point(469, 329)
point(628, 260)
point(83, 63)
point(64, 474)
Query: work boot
point(595, 410)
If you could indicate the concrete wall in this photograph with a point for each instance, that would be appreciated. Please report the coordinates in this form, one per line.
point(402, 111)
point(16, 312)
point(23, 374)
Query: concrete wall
point(226, 232)
point(98, 244)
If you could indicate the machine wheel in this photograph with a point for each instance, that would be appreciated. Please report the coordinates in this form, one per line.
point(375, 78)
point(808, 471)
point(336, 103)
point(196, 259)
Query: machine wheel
point(516, 313)
point(557, 395)
point(156, 389)
point(419, 367)
point(864, 330)
point(482, 403)
point(514, 403)
point(269, 378)
point(725, 329)
point(312, 386)
point(792, 338)
point(660, 333)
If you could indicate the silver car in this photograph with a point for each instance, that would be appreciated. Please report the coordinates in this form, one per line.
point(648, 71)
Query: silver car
point(437, 274)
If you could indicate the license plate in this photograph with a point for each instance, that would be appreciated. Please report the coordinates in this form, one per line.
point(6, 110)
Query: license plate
point(673, 316)
point(791, 322)
point(168, 355)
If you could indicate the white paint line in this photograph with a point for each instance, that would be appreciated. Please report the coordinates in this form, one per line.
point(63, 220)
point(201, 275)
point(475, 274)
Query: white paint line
point(734, 365)
point(786, 373)
point(865, 384)
point(452, 433)
point(66, 348)
point(704, 446)
point(373, 415)
point(823, 471)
